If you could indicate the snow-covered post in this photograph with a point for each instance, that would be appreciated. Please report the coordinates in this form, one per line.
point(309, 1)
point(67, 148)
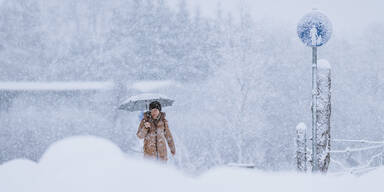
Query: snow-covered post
point(301, 147)
point(323, 114)
point(314, 106)
point(314, 30)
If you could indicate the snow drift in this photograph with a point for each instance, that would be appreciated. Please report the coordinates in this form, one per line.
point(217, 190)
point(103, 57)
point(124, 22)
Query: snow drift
point(94, 164)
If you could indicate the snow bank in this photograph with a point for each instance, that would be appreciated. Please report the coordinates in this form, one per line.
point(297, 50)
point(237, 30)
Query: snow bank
point(17, 175)
point(94, 164)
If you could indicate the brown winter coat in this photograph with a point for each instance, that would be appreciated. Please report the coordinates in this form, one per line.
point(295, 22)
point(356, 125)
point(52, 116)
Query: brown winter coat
point(156, 136)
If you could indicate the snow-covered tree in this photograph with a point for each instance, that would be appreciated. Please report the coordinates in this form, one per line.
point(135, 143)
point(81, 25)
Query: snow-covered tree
point(21, 40)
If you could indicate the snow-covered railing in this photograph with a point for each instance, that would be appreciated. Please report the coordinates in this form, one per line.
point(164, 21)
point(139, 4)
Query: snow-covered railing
point(369, 165)
point(381, 154)
point(358, 141)
point(357, 149)
point(380, 144)
point(56, 86)
point(242, 165)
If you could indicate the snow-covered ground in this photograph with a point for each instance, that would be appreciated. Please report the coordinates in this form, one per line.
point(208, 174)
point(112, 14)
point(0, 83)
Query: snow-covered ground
point(92, 164)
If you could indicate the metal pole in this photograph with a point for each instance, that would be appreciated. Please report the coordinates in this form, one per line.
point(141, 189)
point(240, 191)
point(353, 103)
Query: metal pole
point(314, 108)
point(305, 149)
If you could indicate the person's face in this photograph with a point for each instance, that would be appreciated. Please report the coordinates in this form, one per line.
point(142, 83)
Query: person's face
point(155, 112)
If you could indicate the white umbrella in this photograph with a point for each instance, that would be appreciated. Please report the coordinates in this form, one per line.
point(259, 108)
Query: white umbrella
point(141, 102)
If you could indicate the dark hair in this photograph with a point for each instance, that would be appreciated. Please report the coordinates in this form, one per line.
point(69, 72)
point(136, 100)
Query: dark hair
point(155, 105)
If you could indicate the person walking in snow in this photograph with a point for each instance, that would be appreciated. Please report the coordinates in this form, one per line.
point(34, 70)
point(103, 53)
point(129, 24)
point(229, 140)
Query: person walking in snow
point(154, 130)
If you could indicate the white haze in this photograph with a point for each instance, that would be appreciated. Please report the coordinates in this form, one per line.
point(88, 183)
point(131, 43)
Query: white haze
point(241, 83)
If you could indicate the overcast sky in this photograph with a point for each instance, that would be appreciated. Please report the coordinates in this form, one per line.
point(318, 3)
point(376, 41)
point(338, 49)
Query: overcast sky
point(346, 15)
